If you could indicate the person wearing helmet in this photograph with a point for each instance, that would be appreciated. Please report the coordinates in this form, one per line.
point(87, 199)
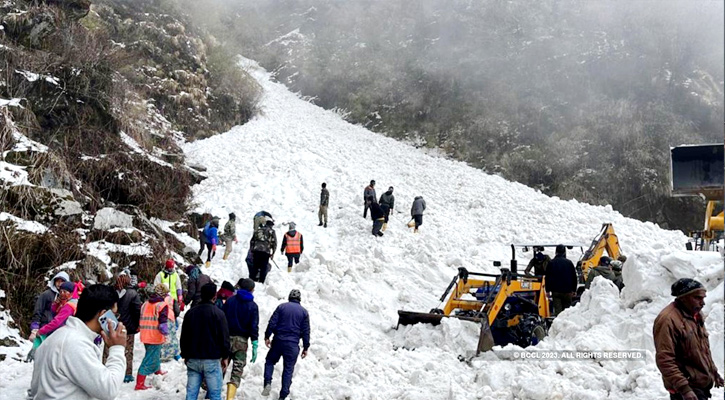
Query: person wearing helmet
point(229, 235)
point(561, 281)
point(604, 269)
point(538, 262)
point(263, 245)
point(169, 277)
point(289, 323)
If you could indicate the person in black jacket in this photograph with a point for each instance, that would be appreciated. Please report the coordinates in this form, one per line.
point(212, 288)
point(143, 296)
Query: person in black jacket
point(129, 312)
point(205, 345)
point(289, 323)
point(387, 203)
point(196, 280)
point(561, 281)
point(378, 216)
point(243, 319)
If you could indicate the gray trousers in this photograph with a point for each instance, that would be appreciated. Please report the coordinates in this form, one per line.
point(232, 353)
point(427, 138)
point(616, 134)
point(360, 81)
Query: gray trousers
point(322, 213)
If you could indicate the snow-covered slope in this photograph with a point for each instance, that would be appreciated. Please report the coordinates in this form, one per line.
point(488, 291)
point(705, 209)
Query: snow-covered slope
point(353, 283)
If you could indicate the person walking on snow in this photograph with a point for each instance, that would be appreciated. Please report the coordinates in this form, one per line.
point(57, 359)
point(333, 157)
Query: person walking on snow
point(169, 277)
point(129, 312)
point(43, 313)
point(682, 346)
point(205, 346)
point(324, 202)
point(243, 318)
point(289, 323)
point(197, 279)
point(561, 280)
point(293, 242)
point(416, 212)
point(378, 217)
point(68, 365)
point(387, 203)
point(369, 197)
point(154, 328)
point(263, 245)
point(170, 349)
point(209, 237)
point(229, 235)
point(223, 294)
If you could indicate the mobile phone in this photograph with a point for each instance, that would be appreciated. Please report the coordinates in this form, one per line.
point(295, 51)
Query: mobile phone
point(108, 318)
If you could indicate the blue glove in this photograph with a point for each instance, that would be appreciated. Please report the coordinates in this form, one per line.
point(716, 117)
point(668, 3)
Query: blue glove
point(255, 344)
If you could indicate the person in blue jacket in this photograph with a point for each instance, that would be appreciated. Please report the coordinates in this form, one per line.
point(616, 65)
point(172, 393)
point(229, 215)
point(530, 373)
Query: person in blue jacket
point(289, 323)
point(243, 320)
point(209, 238)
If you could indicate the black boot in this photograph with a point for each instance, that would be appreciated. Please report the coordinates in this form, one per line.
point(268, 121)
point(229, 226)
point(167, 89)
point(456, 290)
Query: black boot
point(320, 224)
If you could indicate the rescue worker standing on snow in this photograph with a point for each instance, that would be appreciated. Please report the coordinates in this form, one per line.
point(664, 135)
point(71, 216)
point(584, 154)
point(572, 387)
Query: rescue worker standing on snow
point(263, 245)
point(229, 235)
point(682, 347)
point(387, 203)
point(604, 269)
point(243, 318)
point(378, 217)
point(538, 262)
point(416, 212)
point(169, 277)
point(289, 323)
point(324, 202)
point(293, 243)
point(369, 197)
point(561, 280)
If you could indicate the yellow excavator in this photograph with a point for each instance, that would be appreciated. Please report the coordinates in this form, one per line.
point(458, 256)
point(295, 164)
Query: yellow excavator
point(698, 170)
point(510, 307)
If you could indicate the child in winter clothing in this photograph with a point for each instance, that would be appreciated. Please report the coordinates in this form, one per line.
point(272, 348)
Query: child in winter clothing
point(243, 319)
point(63, 307)
point(154, 328)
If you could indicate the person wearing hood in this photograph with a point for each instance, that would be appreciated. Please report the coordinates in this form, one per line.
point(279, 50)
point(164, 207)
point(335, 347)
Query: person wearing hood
point(289, 323)
point(63, 307)
point(197, 279)
point(416, 212)
point(682, 346)
point(294, 244)
point(229, 235)
point(263, 245)
point(169, 277)
point(604, 269)
point(43, 313)
point(224, 293)
point(243, 319)
point(129, 312)
point(538, 262)
point(387, 203)
point(154, 328)
point(209, 238)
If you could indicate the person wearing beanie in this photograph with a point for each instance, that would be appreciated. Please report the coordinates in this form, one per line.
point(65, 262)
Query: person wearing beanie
point(682, 347)
point(169, 277)
point(154, 328)
point(561, 281)
point(293, 243)
point(387, 203)
point(229, 235)
point(205, 345)
point(197, 280)
point(242, 316)
point(324, 202)
point(289, 323)
point(63, 307)
point(129, 312)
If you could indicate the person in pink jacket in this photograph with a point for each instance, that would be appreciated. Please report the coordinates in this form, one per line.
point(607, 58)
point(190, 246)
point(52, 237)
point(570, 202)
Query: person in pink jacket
point(63, 308)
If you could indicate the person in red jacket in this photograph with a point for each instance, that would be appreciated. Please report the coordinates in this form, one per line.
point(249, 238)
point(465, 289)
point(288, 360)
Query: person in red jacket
point(294, 245)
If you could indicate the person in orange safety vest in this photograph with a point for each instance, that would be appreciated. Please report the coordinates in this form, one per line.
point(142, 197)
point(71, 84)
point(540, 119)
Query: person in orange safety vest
point(292, 242)
point(154, 327)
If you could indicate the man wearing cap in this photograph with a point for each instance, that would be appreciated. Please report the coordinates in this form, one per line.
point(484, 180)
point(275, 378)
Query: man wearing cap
point(293, 243)
point(682, 347)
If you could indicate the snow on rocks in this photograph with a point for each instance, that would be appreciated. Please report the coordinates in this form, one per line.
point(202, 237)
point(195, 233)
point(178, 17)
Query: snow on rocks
point(107, 218)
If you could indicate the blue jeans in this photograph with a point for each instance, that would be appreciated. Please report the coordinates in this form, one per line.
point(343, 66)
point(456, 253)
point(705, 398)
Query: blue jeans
point(289, 352)
point(211, 371)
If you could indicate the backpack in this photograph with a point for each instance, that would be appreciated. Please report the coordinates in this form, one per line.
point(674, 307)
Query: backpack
point(262, 239)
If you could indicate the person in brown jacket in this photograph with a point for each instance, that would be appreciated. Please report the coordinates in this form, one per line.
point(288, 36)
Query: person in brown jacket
point(682, 348)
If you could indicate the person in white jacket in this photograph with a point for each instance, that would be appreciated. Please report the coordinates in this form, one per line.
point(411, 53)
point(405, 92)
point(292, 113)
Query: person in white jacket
point(68, 364)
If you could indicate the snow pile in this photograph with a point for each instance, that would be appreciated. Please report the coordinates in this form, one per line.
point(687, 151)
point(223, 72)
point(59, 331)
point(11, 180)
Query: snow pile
point(353, 283)
point(22, 224)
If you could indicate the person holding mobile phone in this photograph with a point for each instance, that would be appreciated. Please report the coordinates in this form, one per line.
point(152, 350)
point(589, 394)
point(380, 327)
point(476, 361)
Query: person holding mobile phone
point(68, 364)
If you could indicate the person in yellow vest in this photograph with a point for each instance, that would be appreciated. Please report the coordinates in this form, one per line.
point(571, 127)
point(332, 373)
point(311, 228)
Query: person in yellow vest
point(292, 242)
point(154, 327)
point(169, 277)
point(170, 349)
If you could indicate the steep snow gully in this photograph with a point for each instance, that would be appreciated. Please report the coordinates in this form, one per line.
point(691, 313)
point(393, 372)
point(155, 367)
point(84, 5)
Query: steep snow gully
point(353, 283)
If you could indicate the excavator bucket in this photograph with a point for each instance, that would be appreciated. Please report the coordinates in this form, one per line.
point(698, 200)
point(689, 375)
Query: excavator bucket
point(698, 169)
point(412, 318)
point(485, 339)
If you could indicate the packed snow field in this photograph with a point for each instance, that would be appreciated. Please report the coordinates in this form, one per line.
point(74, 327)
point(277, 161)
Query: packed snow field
point(353, 283)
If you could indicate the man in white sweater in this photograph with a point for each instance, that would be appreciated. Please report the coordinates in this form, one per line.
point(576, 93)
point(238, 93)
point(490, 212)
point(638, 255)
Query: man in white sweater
point(68, 364)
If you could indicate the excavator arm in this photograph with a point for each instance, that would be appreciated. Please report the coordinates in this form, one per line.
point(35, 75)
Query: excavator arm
point(606, 241)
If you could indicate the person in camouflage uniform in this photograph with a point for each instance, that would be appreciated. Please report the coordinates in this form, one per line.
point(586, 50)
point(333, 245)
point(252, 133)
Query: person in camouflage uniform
point(243, 319)
point(229, 235)
point(263, 245)
point(324, 202)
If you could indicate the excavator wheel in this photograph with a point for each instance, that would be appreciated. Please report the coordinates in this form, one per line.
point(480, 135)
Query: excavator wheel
point(530, 330)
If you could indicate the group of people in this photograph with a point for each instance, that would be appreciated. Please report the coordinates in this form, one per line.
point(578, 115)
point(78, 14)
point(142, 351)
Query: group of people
point(380, 209)
point(216, 332)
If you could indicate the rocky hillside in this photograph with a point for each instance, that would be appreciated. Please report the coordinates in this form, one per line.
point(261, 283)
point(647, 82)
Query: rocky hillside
point(95, 100)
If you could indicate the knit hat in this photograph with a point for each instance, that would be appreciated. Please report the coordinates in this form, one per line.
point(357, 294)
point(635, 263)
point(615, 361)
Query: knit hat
point(170, 263)
point(208, 291)
point(68, 286)
point(604, 260)
point(292, 226)
point(161, 289)
point(685, 286)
